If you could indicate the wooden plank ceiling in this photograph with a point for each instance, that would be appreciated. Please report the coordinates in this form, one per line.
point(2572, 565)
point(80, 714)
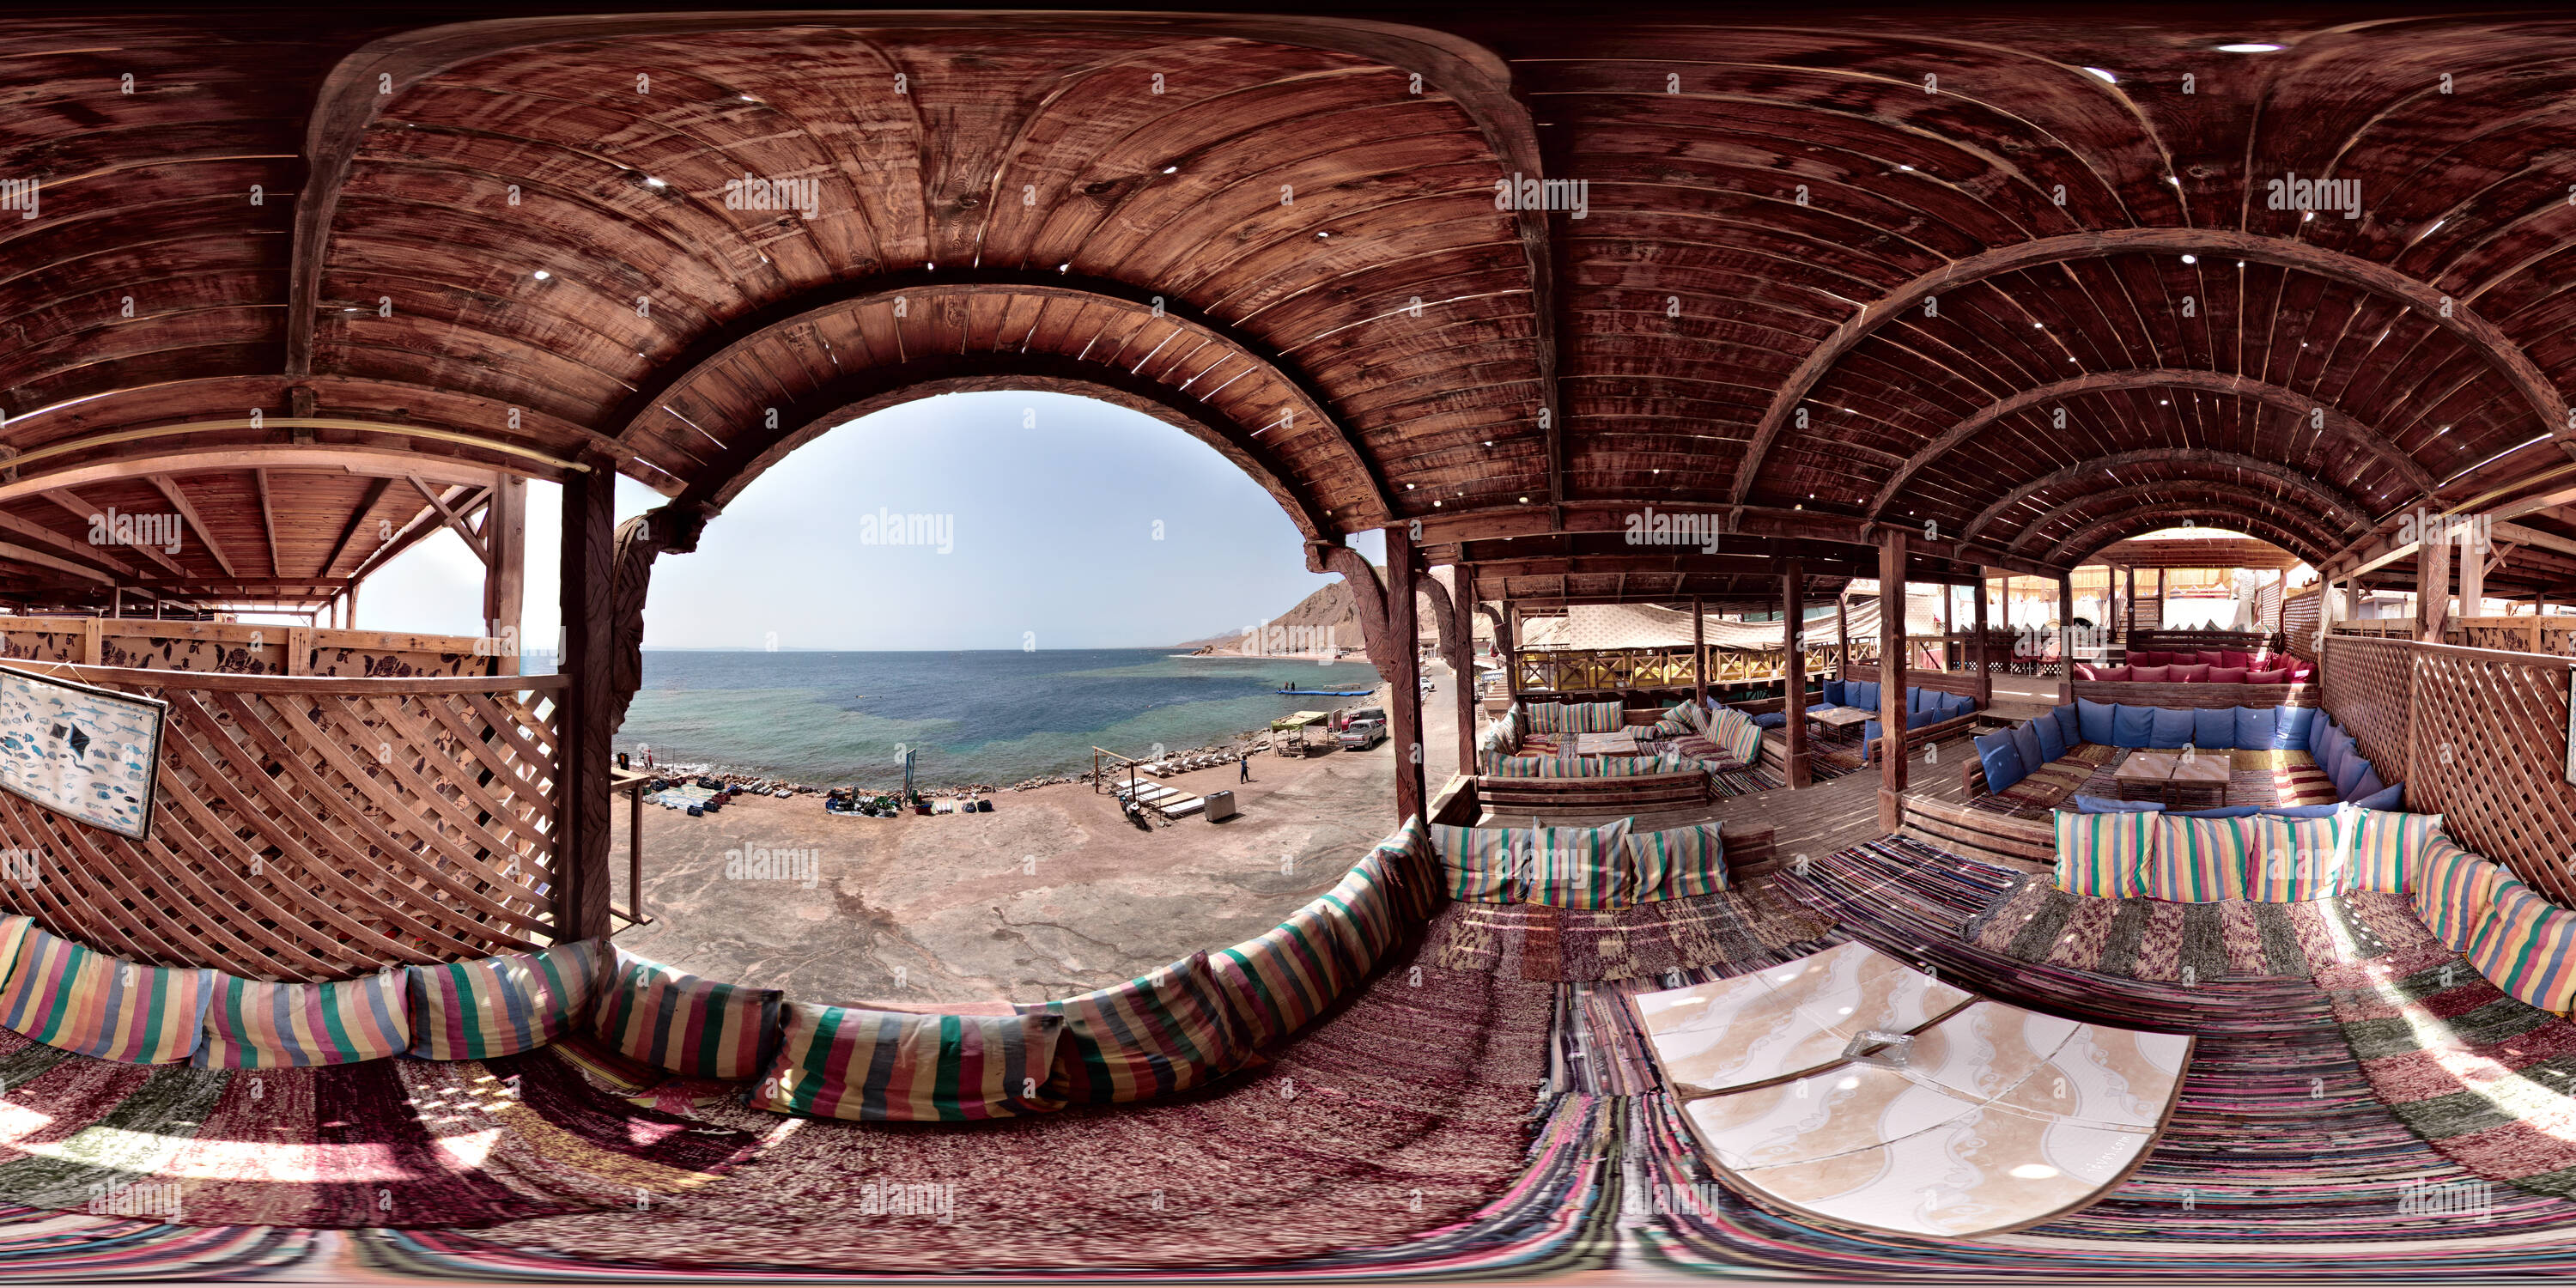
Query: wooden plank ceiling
point(2013, 285)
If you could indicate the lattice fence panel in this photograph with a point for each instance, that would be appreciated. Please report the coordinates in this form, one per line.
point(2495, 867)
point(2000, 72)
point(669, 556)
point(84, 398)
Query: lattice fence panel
point(316, 829)
point(2490, 744)
point(2366, 690)
point(2299, 623)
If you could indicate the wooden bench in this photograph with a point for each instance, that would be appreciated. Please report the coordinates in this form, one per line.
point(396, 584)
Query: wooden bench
point(1977, 834)
point(1928, 734)
point(1596, 795)
point(2152, 693)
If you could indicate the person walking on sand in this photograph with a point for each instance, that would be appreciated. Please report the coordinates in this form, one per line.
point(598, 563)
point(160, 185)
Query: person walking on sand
point(1243, 766)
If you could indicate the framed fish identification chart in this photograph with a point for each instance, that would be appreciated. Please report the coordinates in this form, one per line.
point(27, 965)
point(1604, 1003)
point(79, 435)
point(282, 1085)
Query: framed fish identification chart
point(90, 753)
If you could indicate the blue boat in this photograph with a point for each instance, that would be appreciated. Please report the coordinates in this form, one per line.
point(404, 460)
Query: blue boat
point(1285, 691)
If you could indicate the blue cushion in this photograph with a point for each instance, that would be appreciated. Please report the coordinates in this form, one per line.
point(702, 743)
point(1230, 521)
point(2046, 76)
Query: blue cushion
point(1959, 704)
point(1772, 719)
point(2213, 728)
point(2171, 729)
point(2052, 744)
point(2068, 727)
point(2098, 805)
point(2392, 797)
point(2290, 728)
point(2348, 776)
point(2302, 811)
point(2232, 811)
point(1818, 707)
point(1922, 718)
point(2254, 727)
point(2369, 784)
point(2002, 761)
point(2026, 744)
point(2133, 726)
point(2332, 751)
point(1864, 695)
point(1834, 693)
point(2094, 720)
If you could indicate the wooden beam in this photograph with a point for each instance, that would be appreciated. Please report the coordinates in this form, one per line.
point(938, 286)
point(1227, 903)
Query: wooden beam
point(179, 501)
point(1842, 634)
point(1977, 653)
point(268, 517)
point(66, 546)
point(588, 570)
point(2086, 472)
point(349, 532)
point(1891, 680)
point(1404, 705)
point(1793, 667)
point(2431, 303)
point(82, 510)
point(505, 575)
point(2473, 576)
point(1699, 651)
point(455, 522)
point(1462, 659)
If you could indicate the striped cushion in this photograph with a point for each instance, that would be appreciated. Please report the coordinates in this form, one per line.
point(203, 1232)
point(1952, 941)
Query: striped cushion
point(1365, 907)
point(2103, 856)
point(884, 1066)
point(1277, 984)
point(1736, 735)
point(1677, 863)
point(2302, 858)
point(2453, 890)
point(1575, 867)
point(1476, 862)
point(684, 1023)
point(1414, 867)
point(255, 1025)
point(1600, 717)
point(13, 931)
point(504, 1005)
point(2201, 860)
point(1690, 715)
point(1162, 1032)
point(2385, 843)
point(65, 995)
point(2527, 947)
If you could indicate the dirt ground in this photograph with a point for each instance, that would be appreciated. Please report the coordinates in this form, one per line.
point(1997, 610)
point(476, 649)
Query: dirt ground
point(1053, 893)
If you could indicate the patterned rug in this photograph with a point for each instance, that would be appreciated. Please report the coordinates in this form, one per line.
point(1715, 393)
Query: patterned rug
point(385, 1143)
point(2049, 786)
point(1731, 931)
point(2151, 939)
point(2486, 1079)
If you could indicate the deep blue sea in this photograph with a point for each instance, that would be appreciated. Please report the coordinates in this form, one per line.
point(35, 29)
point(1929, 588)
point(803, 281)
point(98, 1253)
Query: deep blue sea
point(990, 717)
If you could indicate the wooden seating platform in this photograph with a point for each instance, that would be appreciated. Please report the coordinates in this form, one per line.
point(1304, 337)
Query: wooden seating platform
point(1596, 795)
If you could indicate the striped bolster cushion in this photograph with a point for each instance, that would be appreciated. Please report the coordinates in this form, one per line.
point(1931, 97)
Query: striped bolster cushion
point(2303, 859)
point(65, 995)
point(2527, 947)
point(883, 1066)
point(503, 1005)
point(1415, 868)
point(2453, 890)
point(2103, 856)
point(1277, 984)
point(256, 1025)
point(1476, 862)
point(1576, 867)
point(1549, 717)
point(1601, 717)
point(685, 1023)
point(13, 931)
point(1677, 863)
point(1737, 735)
point(1365, 905)
point(1538, 767)
point(1161, 1032)
point(2201, 860)
point(1692, 714)
point(2386, 843)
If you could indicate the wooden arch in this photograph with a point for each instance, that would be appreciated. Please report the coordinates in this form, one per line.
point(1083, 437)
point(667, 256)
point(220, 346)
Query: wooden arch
point(2102, 533)
point(2445, 311)
point(2223, 496)
point(2328, 499)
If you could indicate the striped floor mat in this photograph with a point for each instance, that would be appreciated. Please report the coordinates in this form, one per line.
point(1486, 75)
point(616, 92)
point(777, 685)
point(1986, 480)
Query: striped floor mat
point(2151, 939)
point(1730, 931)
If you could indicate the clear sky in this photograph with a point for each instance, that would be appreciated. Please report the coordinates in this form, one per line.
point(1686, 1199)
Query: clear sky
point(1048, 507)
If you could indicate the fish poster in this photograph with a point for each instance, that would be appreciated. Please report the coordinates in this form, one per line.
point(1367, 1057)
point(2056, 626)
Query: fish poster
point(90, 753)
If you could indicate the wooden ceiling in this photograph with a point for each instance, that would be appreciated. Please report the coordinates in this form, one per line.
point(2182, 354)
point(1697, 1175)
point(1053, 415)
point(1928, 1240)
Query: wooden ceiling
point(2016, 278)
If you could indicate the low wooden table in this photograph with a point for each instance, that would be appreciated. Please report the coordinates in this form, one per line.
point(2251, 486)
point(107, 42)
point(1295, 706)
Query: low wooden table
point(2198, 781)
point(1841, 718)
point(2143, 775)
point(1621, 743)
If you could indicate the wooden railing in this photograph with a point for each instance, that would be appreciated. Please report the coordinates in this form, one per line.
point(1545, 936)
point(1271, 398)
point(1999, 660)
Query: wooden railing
point(245, 648)
point(2478, 736)
point(1619, 670)
point(310, 829)
point(2299, 614)
point(2161, 640)
point(2553, 634)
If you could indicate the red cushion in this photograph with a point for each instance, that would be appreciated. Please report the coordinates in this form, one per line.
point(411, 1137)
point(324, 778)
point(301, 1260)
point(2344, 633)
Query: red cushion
point(2113, 673)
point(2083, 672)
point(2152, 674)
point(2190, 674)
point(2299, 674)
point(2235, 657)
point(2226, 675)
point(2210, 657)
point(2268, 677)
point(2145, 657)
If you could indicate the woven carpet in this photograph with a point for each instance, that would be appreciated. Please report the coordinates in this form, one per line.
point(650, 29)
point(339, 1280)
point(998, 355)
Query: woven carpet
point(2489, 1080)
point(1562, 945)
point(385, 1143)
point(2047, 787)
point(1744, 781)
point(2151, 939)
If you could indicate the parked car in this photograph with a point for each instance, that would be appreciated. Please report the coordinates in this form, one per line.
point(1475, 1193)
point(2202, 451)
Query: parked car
point(1363, 733)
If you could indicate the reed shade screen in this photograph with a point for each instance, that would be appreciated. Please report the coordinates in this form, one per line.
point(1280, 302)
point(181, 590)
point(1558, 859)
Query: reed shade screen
point(2299, 622)
point(315, 829)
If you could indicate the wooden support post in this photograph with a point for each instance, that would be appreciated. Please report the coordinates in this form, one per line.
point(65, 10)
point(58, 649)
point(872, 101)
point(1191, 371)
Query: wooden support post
point(2066, 639)
point(1699, 653)
point(505, 571)
point(1403, 671)
point(1842, 633)
point(2473, 575)
point(1793, 668)
point(1510, 647)
point(2432, 589)
point(588, 576)
point(90, 642)
point(1891, 678)
point(1977, 658)
point(1949, 596)
point(2129, 610)
point(1462, 658)
point(299, 650)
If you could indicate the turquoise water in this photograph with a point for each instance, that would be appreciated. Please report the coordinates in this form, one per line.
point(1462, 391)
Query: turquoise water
point(989, 717)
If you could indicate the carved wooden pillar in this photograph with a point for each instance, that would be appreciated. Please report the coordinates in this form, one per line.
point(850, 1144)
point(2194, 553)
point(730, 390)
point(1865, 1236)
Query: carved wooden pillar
point(1842, 633)
point(581, 886)
point(1793, 641)
point(1891, 678)
point(1977, 658)
point(1403, 670)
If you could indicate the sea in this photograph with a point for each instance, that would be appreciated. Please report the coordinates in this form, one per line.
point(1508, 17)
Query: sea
point(998, 717)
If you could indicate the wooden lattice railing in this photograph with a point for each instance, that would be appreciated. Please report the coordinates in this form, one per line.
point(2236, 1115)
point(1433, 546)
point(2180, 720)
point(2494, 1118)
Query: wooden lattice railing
point(2477, 735)
point(311, 829)
point(244, 648)
point(1606, 670)
point(2299, 615)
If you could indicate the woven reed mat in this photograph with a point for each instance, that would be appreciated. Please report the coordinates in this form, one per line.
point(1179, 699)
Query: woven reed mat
point(1556, 945)
point(2151, 939)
